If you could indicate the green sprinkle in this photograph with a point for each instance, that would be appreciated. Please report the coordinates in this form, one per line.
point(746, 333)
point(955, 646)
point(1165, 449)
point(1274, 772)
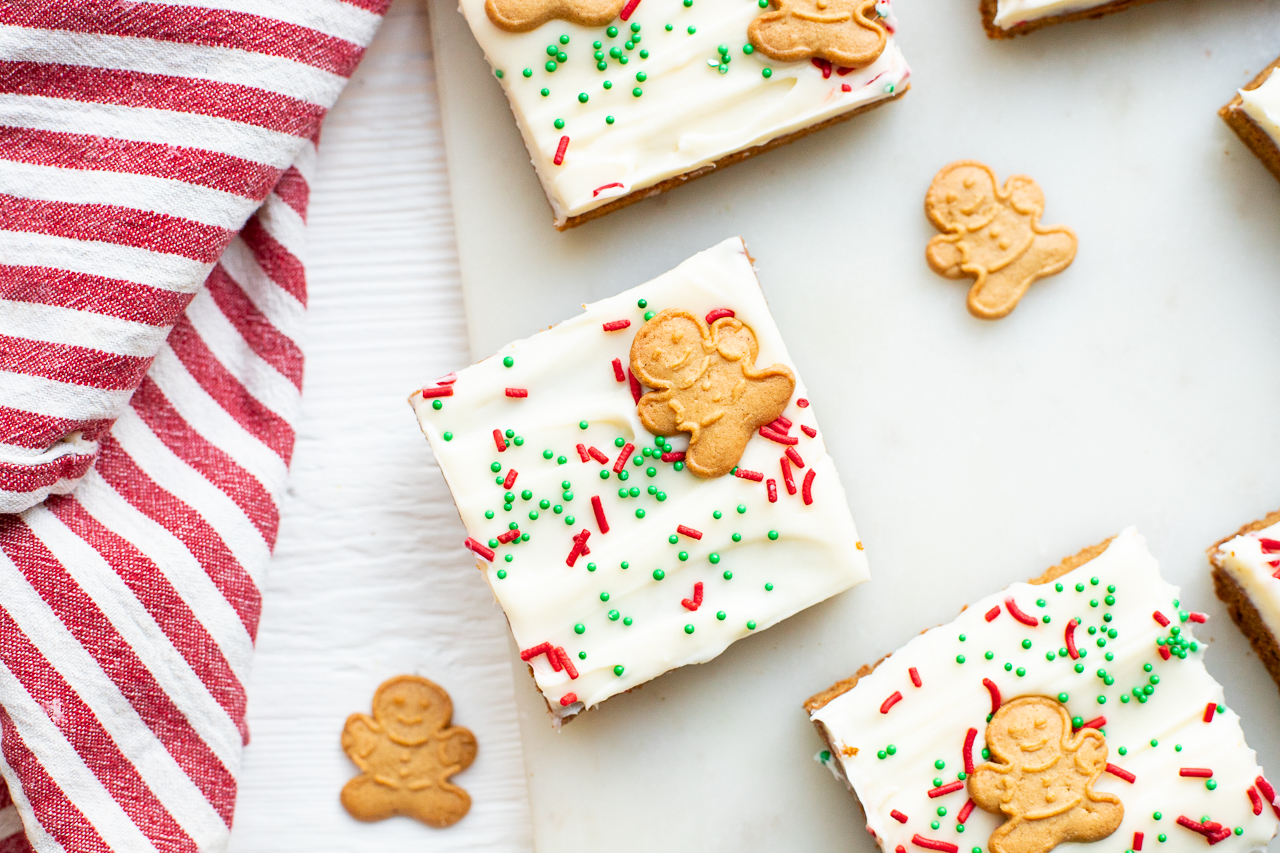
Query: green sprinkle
point(751, 626)
point(564, 39)
point(618, 670)
point(714, 558)
point(683, 555)
point(959, 658)
point(579, 628)
point(688, 629)
point(1211, 784)
point(1020, 672)
point(728, 576)
point(448, 436)
point(768, 587)
point(546, 92)
point(641, 76)
point(1062, 697)
point(502, 573)
point(692, 30)
point(716, 514)
point(720, 614)
point(640, 513)
point(498, 73)
point(668, 28)
point(582, 424)
point(626, 620)
point(659, 574)
point(569, 520)
point(582, 97)
point(612, 32)
point(773, 535)
point(437, 405)
point(641, 304)
point(989, 655)
point(488, 513)
point(495, 467)
point(768, 72)
point(591, 567)
point(1026, 644)
point(625, 565)
point(508, 361)
point(742, 508)
point(528, 72)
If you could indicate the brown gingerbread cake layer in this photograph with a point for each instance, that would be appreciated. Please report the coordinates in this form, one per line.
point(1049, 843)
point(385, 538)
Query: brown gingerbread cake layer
point(727, 160)
point(1242, 610)
point(1254, 137)
point(994, 32)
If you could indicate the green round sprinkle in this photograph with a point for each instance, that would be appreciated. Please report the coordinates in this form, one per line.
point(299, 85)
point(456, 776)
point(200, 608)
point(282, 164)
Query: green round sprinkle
point(568, 496)
point(959, 658)
point(569, 520)
point(624, 474)
point(714, 558)
point(507, 507)
point(591, 567)
point(533, 515)
point(508, 361)
point(625, 565)
point(881, 753)
point(1020, 672)
point(488, 513)
point(742, 508)
point(751, 626)
point(582, 424)
point(448, 436)
point(659, 574)
point(1058, 587)
point(737, 537)
point(582, 97)
point(1079, 667)
point(934, 824)
point(716, 514)
point(604, 596)
point(604, 473)
point(1049, 655)
point(768, 72)
point(528, 72)
point(768, 587)
point(939, 764)
point(942, 811)
point(1008, 667)
point(641, 76)
point(1110, 600)
point(526, 495)
point(437, 405)
point(962, 638)
point(1155, 742)
point(673, 539)
point(773, 535)
point(683, 555)
point(637, 92)
point(1026, 644)
point(498, 74)
point(1062, 697)
point(688, 629)
point(640, 513)
point(728, 576)
point(668, 28)
point(564, 39)
point(502, 573)
point(546, 92)
point(1079, 587)
point(633, 491)
point(1211, 784)
point(612, 32)
point(579, 628)
point(495, 467)
point(494, 543)
point(618, 670)
point(562, 57)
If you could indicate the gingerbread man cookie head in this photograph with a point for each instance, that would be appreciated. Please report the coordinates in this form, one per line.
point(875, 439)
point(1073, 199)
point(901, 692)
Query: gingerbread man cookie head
point(707, 385)
point(992, 235)
point(520, 16)
point(410, 709)
point(847, 33)
point(1040, 779)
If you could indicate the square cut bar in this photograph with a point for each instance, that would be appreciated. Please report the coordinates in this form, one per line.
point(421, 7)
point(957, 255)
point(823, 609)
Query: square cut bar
point(1139, 679)
point(1254, 114)
point(669, 113)
point(675, 567)
point(1246, 576)
point(1006, 19)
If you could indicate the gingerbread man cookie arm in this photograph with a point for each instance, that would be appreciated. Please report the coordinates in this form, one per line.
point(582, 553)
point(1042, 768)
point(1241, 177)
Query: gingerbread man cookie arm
point(657, 414)
point(1090, 752)
point(1024, 194)
point(360, 739)
point(946, 255)
point(988, 786)
point(457, 748)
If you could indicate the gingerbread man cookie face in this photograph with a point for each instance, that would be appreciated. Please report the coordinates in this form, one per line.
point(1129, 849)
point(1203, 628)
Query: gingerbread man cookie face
point(707, 385)
point(520, 16)
point(844, 32)
point(993, 235)
point(407, 751)
point(1040, 778)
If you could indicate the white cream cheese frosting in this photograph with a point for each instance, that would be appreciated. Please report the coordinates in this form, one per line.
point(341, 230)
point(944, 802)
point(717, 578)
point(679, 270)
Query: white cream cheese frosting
point(703, 93)
point(1253, 560)
point(1010, 13)
point(1139, 679)
point(686, 566)
point(1263, 106)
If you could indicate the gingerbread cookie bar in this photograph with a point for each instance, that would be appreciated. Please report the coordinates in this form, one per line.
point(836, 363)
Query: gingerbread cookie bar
point(1246, 576)
point(1006, 19)
point(621, 100)
point(1254, 114)
point(1073, 708)
point(645, 483)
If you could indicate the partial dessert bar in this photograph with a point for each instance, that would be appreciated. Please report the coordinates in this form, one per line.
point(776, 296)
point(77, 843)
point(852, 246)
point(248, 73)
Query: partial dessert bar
point(1006, 19)
point(646, 483)
point(1254, 114)
point(1072, 708)
point(618, 100)
point(1246, 576)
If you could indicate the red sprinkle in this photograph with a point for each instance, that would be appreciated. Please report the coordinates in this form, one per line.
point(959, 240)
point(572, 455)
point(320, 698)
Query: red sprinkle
point(1212, 830)
point(845, 87)
point(1164, 652)
point(1137, 842)
point(890, 702)
point(899, 817)
point(582, 453)
point(995, 693)
point(945, 789)
point(782, 424)
point(992, 613)
point(688, 531)
point(568, 699)
point(773, 435)
point(1196, 772)
point(618, 372)
point(753, 476)
point(615, 325)
point(1269, 546)
point(499, 441)
point(1161, 619)
point(1121, 773)
point(598, 507)
point(511, 478)
point(1269, 792)
point(1208, 711)
point(673, 456)
point(772, 485)
point(595, 192)
point(447, 379)
point(628, 9)
point(480, 548)
point(697, 598)
point(915, 676)
point(1095, 723)
point(809, 431)
point(843, 70)
point(509, 536)
point(802, 403)
point(1198, 617)
point(794, 456)
point(787, 479)
point(1255, 799)
point(622, 457)
point(531, 653)
point(564, 145)
point(518, 393)
point(438, 391)
point(899, 849)
point(553, 655)
point(930, 844)
point(806, 488)
point(717, 313)
point(965, 811)
point(636, 392)
point(1071, 639)
point(969, 737)
point(566, 663)
point(579, 547)
point(1017, 613)
point(823, 65)
point(598, 455)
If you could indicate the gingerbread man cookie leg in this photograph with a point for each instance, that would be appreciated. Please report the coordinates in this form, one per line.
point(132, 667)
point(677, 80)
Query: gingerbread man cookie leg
point(993, 235)
point(407, 751)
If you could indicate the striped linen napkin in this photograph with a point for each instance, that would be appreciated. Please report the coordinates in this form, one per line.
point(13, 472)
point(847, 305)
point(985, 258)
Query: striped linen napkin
point(154, 168)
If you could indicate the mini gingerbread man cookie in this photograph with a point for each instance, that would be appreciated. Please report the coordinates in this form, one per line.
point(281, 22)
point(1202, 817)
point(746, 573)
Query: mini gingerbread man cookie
point(520, 16)
point(993, 235)
point(707, 385)
point(844, 32)
point(1041, 779)
point(407, 751)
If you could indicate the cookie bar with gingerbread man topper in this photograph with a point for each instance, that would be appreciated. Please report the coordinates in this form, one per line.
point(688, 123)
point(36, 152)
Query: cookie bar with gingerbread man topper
point(619, 100)
point(1074, 709)
point(993, 235)
point(1006, 19)
point(1254, 115)
point(1246, 576)
point(646, 483)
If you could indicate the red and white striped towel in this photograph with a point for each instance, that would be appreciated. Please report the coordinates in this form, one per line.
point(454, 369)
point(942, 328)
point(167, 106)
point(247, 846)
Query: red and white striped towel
point(135, 140)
